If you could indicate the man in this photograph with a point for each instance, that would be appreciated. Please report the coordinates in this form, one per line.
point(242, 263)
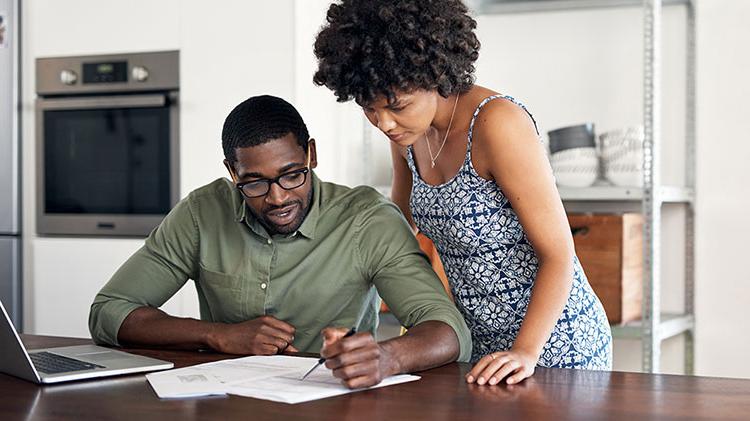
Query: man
point(282, 263)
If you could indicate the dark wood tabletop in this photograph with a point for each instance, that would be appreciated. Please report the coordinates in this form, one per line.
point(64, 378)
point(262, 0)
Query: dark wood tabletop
point(441, 394)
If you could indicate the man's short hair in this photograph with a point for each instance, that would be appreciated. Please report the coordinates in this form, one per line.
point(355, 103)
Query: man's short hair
point(258, 120)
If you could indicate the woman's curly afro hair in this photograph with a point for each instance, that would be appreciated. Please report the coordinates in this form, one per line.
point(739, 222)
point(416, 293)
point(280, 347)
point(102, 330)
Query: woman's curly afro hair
point(372, 48)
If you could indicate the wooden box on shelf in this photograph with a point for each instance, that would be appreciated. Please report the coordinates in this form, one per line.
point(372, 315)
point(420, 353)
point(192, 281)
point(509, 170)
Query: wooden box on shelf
point(610, 248)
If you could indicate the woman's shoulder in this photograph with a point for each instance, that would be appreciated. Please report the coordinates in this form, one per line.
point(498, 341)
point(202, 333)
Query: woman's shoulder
point(488, 106)
point(499, 115)
point(501, 129)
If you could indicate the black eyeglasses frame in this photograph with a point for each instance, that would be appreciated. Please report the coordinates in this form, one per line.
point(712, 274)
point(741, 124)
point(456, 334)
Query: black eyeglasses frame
point(275, 180)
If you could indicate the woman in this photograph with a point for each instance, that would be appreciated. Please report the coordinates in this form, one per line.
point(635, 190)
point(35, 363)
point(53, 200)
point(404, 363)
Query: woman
point(470, 173)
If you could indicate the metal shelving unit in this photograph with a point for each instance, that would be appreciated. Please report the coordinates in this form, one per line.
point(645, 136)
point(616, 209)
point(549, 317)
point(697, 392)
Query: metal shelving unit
point(525, 6)
point(668, 194)
point(654, 326)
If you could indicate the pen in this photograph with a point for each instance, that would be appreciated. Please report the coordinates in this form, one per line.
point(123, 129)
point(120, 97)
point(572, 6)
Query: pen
point(351, 331)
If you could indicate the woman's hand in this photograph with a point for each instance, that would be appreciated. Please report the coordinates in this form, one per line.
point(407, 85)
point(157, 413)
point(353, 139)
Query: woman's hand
point(493, 368)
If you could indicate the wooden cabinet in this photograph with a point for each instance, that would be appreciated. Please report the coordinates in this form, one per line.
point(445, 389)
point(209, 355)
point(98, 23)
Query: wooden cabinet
point(610, 248)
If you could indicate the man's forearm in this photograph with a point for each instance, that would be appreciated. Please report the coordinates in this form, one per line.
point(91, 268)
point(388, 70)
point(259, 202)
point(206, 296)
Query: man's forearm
point(152, 327)
point(426, 345)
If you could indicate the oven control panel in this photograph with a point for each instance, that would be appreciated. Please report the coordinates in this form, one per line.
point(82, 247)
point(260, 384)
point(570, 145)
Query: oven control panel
point(105, 72)
point(108, 73)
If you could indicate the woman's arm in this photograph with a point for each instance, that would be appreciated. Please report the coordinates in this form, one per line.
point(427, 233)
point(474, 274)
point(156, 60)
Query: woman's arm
point(401, 184)
point(507, 146)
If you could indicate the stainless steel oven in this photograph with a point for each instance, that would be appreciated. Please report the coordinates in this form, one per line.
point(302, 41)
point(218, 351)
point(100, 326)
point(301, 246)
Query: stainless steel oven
point(107, 131)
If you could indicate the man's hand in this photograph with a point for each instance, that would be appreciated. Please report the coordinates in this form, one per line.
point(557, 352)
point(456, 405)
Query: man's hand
point(359, 361)
point(265, 335)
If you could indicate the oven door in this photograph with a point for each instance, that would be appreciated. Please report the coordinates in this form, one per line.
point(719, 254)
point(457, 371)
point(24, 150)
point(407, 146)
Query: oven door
point(106, 165)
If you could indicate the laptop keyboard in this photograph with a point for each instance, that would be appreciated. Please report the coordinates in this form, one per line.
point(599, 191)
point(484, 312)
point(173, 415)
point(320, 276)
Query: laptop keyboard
point(50, 363)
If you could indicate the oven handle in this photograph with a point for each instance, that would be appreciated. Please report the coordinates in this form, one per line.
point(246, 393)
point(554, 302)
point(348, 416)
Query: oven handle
point(130, 101)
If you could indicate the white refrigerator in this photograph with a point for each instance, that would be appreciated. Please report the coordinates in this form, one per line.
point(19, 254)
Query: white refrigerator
point(10, 168)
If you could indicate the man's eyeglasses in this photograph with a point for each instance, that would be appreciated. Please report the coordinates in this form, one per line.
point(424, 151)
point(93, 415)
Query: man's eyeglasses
point(288, 181)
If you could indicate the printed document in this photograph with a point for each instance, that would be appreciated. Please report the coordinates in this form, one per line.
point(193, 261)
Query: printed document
point(274, 378)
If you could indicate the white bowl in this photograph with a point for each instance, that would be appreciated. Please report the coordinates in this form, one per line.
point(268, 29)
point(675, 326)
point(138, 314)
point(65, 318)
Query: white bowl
point(577, 167)
point(626, 172)
point(622, 156)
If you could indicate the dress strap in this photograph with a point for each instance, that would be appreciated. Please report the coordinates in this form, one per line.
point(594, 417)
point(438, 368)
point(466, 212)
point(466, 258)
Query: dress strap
point(490, 98)
point(412, 164)
point(467, 161)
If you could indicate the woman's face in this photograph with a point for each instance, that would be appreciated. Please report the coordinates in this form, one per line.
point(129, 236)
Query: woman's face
point(405, 119)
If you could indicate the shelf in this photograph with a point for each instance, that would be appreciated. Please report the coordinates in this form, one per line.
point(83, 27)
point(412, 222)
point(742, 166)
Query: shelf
point(667, 194)
point(670, 325)
point(674, 194)
point(524, 6)
point(605, 193)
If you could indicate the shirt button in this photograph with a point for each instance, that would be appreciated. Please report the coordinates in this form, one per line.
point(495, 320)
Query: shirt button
point(263, 285)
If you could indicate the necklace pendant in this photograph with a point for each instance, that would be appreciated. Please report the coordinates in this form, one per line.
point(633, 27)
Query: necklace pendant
point(448, 130)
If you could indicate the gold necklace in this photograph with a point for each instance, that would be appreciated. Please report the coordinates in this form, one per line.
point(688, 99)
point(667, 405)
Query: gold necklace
point(450, 123)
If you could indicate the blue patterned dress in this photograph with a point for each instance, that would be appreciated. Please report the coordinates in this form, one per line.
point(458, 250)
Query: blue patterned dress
point(491, 267)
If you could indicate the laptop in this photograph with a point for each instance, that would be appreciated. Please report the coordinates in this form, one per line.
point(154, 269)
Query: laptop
point(62, 364)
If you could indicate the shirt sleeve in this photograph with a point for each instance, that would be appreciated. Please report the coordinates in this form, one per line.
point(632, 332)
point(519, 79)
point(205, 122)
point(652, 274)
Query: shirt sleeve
point(149, 277)
point(402, 273)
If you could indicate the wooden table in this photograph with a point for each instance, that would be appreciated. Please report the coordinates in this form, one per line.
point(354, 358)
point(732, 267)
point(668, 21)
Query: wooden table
point(557, 394)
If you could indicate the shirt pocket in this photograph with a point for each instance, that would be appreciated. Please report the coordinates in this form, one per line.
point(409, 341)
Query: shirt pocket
point(224, 295)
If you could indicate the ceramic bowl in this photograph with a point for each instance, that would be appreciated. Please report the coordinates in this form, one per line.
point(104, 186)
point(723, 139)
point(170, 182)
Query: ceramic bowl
point(571, 137)
point(622, 156)
point(576, 167)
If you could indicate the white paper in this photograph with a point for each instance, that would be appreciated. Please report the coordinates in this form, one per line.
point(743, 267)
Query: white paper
point(189, 383)
point(275, 378)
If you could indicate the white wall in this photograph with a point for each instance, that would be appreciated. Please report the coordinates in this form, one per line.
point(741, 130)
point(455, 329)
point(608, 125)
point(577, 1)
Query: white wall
point(228, 52)
point(723, 227)
point(348, 151)
point(568, 67)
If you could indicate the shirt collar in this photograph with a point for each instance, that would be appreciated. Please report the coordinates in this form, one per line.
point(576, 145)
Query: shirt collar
point(307, 229)
point(311, 220)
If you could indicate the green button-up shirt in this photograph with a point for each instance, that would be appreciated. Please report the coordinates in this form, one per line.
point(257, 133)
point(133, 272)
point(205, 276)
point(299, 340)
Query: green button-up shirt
point(317, 277)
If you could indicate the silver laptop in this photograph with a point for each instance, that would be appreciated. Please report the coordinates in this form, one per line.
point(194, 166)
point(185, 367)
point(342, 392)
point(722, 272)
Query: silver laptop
point(54, 365)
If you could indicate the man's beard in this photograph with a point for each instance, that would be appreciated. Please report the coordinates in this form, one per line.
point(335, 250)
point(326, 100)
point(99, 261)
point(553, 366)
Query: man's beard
point(291, 227)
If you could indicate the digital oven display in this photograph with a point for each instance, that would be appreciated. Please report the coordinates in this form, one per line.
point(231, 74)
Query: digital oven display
point(109, 72)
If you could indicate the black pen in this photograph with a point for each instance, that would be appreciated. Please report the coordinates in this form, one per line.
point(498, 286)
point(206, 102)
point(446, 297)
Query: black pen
point(352, 331)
